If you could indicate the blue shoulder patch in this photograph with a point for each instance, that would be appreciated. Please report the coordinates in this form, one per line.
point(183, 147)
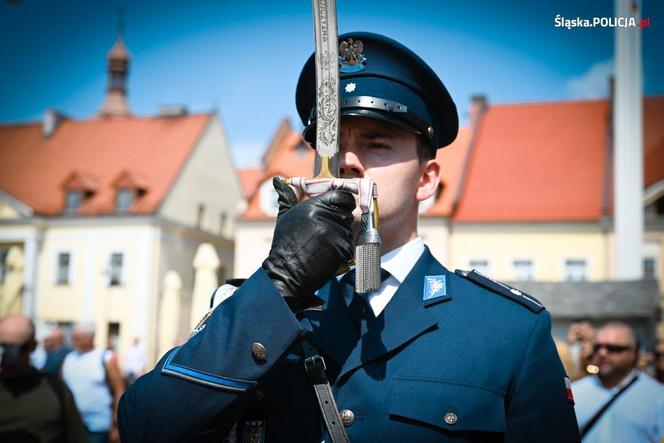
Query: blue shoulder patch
point(506, 291)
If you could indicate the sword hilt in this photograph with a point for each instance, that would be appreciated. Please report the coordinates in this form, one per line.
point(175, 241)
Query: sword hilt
point(367, 245)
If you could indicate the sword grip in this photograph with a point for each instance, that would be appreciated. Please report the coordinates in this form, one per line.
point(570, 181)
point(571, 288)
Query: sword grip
point(367, 244)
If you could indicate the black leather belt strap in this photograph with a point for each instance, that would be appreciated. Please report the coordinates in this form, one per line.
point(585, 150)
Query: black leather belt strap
point(315, 367)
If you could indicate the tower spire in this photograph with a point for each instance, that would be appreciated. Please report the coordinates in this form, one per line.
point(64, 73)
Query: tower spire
point(115, 104)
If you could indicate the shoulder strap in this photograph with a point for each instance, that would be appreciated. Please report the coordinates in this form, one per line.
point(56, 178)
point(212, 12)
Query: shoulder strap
point(595, 418)
point(503, 289)
point(315, 367)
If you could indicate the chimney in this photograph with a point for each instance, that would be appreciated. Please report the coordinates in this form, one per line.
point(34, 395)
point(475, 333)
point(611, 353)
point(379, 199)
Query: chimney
point(478, 105)
point(50, 121)
point(628, 146)
point(173, 111)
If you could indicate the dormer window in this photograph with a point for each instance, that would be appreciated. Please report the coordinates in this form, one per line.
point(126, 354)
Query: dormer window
point(74, 200)
point(124, 198)
point(78, 187)
point(129, 186)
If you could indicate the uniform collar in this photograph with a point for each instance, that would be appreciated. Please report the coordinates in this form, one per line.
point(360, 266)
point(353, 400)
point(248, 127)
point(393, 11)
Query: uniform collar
point(404, 318)
point(400, 261)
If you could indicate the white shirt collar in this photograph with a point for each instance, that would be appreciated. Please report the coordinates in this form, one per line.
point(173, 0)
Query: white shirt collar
point(619, 386)
point(400, 261)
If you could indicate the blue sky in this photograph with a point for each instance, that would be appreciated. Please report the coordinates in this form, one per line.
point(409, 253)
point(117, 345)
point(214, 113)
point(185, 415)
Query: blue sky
point(243, 58)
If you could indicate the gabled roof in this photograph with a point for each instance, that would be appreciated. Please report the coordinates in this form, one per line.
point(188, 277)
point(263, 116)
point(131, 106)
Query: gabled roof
point(285, 156)
point(250, 178)
point(653, 139)
point(550, 162)
point(537, 162)
point(150, 152)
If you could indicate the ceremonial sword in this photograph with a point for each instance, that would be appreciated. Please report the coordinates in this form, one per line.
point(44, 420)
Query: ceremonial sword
point(326, 164)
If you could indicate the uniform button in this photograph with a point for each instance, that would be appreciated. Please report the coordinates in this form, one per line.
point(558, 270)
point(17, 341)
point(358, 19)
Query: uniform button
point(450, 418)
point(347, 417)
point(259, 353)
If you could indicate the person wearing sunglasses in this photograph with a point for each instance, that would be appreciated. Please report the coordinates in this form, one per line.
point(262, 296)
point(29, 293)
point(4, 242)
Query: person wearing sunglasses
point(619, 403)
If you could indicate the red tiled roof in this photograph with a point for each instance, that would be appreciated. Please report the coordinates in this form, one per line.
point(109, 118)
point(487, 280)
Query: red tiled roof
point(250, 179)
point(541, 162)
point(286, 157)
point(537, 162)
point(149, 151)
point(549, 162)
point(653, 139)
point(451, 160)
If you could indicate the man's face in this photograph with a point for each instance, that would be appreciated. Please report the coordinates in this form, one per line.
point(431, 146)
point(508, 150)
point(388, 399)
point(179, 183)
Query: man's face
point(81, 340)
point(615, 352)
point(17, 341)
point(388, 155)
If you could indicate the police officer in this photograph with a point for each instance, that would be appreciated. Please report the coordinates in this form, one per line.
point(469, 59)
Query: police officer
point(432, 356)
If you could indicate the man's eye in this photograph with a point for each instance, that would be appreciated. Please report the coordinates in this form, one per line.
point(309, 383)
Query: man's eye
point(378, 146)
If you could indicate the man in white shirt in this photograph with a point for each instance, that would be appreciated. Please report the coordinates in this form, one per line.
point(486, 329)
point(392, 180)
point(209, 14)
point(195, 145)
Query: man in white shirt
point(133, 363)
point(637, 414)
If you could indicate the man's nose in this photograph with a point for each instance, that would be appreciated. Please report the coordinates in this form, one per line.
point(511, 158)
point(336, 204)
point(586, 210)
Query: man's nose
point(350, 165)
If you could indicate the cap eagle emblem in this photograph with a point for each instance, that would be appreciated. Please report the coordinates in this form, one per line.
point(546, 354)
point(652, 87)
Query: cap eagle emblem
point(351, 56)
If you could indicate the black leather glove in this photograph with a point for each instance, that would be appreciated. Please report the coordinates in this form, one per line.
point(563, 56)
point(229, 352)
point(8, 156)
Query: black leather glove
point(311, 240)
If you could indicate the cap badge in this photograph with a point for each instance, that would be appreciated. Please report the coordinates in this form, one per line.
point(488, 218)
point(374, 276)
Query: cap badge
point(351, 57)
point(350, 87)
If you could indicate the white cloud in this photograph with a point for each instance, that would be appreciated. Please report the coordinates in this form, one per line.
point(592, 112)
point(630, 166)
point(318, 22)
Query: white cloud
point(594, 83)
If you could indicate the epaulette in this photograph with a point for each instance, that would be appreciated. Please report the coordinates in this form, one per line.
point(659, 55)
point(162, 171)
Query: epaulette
point(507, 291)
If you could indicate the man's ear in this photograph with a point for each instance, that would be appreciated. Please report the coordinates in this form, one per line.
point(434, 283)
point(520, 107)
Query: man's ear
point(429, 180)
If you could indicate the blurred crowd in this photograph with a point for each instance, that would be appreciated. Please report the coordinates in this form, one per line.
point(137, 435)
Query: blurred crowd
point(616, 386)
point(579, 354)
point(56, 392)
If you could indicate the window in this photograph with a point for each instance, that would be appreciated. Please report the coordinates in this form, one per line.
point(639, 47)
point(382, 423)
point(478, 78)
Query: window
point(200, 215)
point(655, 210)
point(124, 198)
point(481, 266)
point(74, 199)
point(113, 335)
point(649, 269)
point(223, 223)
point(3, 266)
point(575, 270)
point(115, 269)
point(523, 270)
point(62, 268)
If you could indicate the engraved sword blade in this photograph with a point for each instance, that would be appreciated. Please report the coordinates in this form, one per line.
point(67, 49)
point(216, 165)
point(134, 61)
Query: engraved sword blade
point(327, 89)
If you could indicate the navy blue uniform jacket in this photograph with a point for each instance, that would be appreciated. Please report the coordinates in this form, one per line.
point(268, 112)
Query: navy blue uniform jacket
point(471, 352)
